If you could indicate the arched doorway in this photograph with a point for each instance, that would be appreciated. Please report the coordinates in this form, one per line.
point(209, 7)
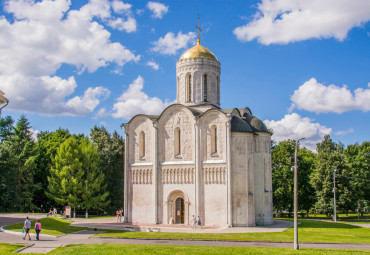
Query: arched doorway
point(180, 210)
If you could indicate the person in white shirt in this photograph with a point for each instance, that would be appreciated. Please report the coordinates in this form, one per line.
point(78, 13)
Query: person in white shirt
point(27, 227)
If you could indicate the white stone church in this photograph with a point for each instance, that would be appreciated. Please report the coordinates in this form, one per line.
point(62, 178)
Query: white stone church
point(196, 158)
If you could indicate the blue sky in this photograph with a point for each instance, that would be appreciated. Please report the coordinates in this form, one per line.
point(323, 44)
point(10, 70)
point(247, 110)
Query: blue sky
point(303, 67)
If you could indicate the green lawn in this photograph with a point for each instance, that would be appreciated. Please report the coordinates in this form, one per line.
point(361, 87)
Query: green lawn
point(112, 249)
point(308, 231)
point(9, 248)
point(50, 225)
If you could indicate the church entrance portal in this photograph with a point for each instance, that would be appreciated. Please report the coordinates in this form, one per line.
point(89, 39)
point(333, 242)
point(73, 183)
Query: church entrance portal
point(180, 210)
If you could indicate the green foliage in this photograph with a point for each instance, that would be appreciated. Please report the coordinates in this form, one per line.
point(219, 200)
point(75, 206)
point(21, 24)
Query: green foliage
point(47, 146)
point(17, 160)
point(94, 195)
point(329, 157)
point(111, 152)
point(283, 177)
point(66, 181)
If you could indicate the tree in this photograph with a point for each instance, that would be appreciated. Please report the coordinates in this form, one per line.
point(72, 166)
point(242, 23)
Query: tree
point(94, 195)
point(357, 174)
point(111, 152)
point(47, 146)
point(329, 157)
point(282, 176)
point(66, 181)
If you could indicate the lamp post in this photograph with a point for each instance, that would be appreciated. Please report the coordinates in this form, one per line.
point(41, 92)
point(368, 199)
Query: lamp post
point(335, 202)
point(296, 246)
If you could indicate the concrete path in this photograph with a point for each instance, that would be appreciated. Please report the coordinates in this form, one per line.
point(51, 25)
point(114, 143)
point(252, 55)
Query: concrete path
point(85, 237)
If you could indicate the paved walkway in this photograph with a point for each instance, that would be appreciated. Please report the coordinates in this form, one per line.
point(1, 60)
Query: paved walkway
point(83, 237)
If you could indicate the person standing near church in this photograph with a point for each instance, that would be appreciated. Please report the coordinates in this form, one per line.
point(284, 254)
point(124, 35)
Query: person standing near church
point(38, 229)
point(194, 222)
point(27, 227)
point(199, 222)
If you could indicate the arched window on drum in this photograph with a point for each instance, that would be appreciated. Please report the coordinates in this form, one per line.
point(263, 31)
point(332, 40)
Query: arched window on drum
point(214, 140)
point(142, 144)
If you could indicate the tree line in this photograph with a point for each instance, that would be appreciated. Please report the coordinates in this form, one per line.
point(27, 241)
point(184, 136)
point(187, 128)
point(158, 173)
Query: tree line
point(315, 177)
point(59, 168)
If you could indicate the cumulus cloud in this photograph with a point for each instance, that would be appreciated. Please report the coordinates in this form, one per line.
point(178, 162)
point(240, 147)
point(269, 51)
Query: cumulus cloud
point(316, 97)
point(134, 101)
point(345, 132)
point(101, 113)
point(121, 7)
point(171, 43)
point(39, 37)
point(158, 9)
point(293, 126)
point(286, 21)
point(129, 25)
point(153, 65)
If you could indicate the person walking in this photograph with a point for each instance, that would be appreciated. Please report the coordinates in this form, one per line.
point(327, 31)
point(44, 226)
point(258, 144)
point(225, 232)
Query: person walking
point(117, 215)
point(38, 229)
point(199, 222)
point(120, 215)
point(194, 222)
point(27, 227)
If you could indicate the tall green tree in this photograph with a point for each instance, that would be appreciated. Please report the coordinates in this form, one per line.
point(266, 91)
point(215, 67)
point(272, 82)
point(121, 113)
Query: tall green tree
point(66, 181)
point(47, 146)
point(283, 176)
point(357, 175)
point(111, 152)
point(8, 177)
point(329, 157)
point(22, 155)
point(95, 194)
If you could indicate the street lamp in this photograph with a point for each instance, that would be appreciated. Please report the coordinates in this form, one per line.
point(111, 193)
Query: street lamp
point(296, 246)
point(335, 202)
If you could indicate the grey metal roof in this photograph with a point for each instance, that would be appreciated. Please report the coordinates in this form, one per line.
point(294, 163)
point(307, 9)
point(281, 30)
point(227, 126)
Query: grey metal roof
point(239, 125)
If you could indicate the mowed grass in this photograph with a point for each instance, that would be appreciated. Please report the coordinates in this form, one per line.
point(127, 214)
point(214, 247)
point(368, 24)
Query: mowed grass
point(308, 231)
point(9, 248)
point(51, 226)
point(112, 249)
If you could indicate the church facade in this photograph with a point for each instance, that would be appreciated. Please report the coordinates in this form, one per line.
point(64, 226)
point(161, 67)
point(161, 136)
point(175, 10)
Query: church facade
point(196, 158)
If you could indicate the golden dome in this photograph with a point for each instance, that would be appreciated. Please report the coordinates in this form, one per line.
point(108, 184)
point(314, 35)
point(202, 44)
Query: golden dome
point(198, 51)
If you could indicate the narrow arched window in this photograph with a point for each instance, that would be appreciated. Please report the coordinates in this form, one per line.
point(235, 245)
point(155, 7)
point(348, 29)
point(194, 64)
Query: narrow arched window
point(177, 141)
point(205, 88)
point(218, 89)
point(188, 82)
point(213, 139)
point(142, 144)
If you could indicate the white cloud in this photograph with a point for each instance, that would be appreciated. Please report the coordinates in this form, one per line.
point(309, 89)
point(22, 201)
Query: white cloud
point(345, 132)
point(316, 97)
point(170, 44)
point(153, 64)
point(128, 25)
point(134, 101)
point(102, 113)
point(39, 38)
point(293, 126)
point(285, 21)
point(34, 134)
point(121, 7)
point(158, 9)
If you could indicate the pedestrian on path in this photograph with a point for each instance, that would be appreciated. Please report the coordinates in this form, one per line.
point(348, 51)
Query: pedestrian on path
point(120, 215)
point(194, 222)
point(38, 229)
point(199, 222)
point(27, 227)
point(117, 215)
